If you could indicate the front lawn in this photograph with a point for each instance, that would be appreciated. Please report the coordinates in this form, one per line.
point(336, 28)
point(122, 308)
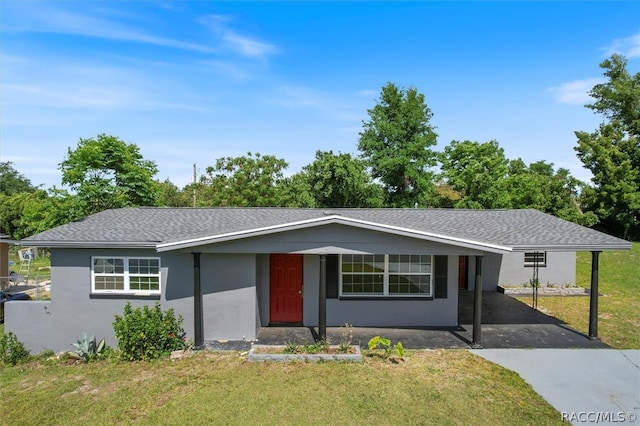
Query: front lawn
point(618, 305)
point(430, 387)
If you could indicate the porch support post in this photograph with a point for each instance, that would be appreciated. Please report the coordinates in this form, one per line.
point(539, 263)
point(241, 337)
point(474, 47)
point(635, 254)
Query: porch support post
point(322, 299)
point(477, 305)
point(593, 297)
point(197, 303)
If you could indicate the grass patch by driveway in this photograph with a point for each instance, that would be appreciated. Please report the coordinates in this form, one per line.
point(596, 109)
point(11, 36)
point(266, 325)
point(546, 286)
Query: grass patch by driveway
point(431, 387)
point(619, 305)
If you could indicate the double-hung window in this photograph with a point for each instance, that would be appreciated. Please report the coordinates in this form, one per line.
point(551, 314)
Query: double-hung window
point(386, 275)
point(125, 275)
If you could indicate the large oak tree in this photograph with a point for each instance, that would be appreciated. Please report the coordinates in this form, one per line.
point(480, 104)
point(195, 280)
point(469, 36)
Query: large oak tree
point(612, 152)
point(396, 142)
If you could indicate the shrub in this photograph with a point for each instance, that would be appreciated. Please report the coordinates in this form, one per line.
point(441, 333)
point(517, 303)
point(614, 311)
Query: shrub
point(12, 350)
point(148, 333)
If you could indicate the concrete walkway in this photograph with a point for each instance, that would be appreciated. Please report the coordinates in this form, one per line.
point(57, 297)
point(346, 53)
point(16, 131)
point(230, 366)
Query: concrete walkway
point(587, 386)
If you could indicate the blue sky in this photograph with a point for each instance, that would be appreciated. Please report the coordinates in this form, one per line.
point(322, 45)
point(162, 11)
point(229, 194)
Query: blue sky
point(192, 81)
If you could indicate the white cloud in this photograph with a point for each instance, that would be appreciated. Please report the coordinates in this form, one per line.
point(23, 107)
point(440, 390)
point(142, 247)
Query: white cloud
point(574, 92)
point(45, 19)
point(240, 44)
point(67, 97)
point(228, 69)
point(247, 46)
point(46, 85)
point(628, 46)
point(297, 98)
point(368, 93)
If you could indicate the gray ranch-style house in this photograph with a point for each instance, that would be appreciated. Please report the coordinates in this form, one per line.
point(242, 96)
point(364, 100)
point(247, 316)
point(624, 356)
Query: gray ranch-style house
point(231, 271)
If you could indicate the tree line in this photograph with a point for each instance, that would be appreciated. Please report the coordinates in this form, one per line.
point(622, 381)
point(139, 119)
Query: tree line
point(396, 166)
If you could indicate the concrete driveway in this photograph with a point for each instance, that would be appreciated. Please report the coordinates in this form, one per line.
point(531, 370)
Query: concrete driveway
point(587, 386)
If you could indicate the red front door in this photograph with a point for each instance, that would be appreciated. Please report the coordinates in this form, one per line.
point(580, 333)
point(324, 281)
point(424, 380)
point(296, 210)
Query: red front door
point(286, 288)
point(463, 275)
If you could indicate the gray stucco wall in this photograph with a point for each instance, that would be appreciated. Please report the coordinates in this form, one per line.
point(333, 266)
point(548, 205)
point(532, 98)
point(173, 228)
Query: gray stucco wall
point(229, 296)
point(491, 264)
point(560, 269)
point(72, 311)
point(228, 287)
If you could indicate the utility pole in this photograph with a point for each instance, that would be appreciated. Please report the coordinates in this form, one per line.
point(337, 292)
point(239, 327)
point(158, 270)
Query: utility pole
point(194, 184)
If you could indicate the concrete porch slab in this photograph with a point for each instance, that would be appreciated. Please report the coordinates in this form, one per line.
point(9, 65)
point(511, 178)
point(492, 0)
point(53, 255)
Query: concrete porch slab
point(506, 324)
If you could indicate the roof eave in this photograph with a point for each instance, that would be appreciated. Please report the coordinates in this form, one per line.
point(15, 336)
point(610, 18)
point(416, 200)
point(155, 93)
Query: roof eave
point(90, 244)
point(574, 247)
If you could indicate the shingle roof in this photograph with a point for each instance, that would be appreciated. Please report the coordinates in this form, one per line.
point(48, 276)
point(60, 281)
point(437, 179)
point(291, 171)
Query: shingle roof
point(149, 226)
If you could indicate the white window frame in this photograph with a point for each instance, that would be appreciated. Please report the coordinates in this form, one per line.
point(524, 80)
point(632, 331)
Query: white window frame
point(385, 293)
point(126, 275)
point(531, 263)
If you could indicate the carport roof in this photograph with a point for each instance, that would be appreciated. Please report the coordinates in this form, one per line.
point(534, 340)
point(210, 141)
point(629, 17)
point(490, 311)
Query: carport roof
point(180, 228)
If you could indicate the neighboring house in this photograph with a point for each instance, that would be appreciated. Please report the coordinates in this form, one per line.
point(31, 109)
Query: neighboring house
point(4, 260)
point(231, 271)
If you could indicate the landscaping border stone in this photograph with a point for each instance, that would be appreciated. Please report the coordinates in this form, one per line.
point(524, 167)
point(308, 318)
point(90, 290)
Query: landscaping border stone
point(255, 354)
point(543, 291)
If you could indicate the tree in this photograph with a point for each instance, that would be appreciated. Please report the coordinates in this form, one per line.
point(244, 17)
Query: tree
point(396, 142)
point(612, 152)
point(247, 181)
point(339, 180)
point(12, 182)
point(43, 210)
point(477, 171)
point(539, 186)
point(11, 208)
point(295, 191)
point(107, 173)
point(169, 195)
point(27, 213)
point(619, 98)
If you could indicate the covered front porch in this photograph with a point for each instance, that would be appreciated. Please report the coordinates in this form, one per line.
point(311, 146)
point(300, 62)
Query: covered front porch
point(506, 323)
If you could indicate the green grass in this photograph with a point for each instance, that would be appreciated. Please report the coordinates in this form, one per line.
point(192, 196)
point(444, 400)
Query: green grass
point(431, 387)
point(619, 305)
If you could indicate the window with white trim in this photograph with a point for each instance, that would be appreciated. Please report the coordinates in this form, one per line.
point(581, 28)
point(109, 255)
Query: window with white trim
point(406, 275)
point(535, 258)
point(125, 275)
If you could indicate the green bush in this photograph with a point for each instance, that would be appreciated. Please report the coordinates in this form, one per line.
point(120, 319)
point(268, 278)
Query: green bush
point(12, 350)
point(148, 333)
